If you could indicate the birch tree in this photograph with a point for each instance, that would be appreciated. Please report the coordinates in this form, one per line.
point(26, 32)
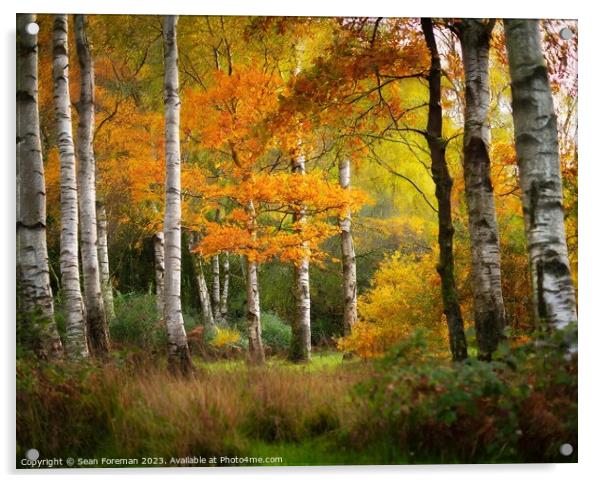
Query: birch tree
point(98, 333)
point(35, 293)
point(536, 139)
point(348, 252)
point(103, 258)
point(223, 303)
point(75, 338)
point(489, 312)
point(256, 351)
point(204, 297)
point(179, 354)
point(159, 255)
point(215, 288)
point(443, 187)
point(300, 349)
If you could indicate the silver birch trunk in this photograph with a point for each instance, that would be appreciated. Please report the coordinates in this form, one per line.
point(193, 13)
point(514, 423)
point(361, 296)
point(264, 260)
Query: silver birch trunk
point(536, 139)
point(35, 293)
point(75, 338)
point(204, 296)
point(348, 255)
point(103, 259)
point(489, 312)
point(223, 303)
point(159, 249)
point(215, 289)
point(256, 352)
point(300, 349)
point(98, 333)
point(179, 354)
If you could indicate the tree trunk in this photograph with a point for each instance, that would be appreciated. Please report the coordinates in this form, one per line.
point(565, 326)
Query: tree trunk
point(536, 138)
point(443, 189)
point(179, 354)
point(35, 293)
point(489, 310)
point(300, 350)
point(103, 258)
point(256, 352)
point(75, 339)
point(223, 304)
point(159, 249)
point(348, 255)
point(204, 297)
point(215, 289)
point(98, 332)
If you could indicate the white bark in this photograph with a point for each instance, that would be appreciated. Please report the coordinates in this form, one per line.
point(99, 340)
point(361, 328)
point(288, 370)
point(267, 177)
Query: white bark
point(179, 355)
point(348, 252)
point(103, 258)
point(159, 249)
point(223, 304)
point(300, 349)
point(482, 219)
point(256, 352)
point(35, 294)
point(204, 296)
point(215, 288)
point(98, 332)
point(75, 338)
point(536, 138)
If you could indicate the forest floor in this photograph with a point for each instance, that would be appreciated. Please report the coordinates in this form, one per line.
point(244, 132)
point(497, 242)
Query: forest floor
point(331, 411)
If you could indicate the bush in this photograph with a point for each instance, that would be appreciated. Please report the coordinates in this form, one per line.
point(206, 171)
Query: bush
point(275, 333)
point(472, 411)
point(137, 323)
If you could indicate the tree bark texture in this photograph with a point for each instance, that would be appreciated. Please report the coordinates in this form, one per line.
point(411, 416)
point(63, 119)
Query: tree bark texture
point(443, 189)
point(223, 303)
point(300, 349)
point(489, 312)
point(98, 332)
point(159, 250)
point(536, 139)
point(256, 351)
point(76, 344)
point(179, 354)
point(215, 289)
point(103, 259)
point(33, 276)
point(348, 255)
point(204, 296)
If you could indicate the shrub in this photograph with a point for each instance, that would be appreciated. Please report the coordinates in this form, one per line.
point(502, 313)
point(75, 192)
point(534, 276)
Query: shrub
point(225, 337)
point(404, 296)
point(137, 323)
point(275, 333)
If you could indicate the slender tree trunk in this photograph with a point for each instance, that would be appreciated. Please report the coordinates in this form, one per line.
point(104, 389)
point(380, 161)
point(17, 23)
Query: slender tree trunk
point(482, 220)
point(75, 339)
point(300, 350)
point(215, 288)
point(223, 304)
point(179, 354)
point(348, 253)
point(204, 297)
point(103, 258)
point(443, 189)
point(536, 138)
point(256, 352)
point(35, 293)
point(98, 332)
point(159, 249)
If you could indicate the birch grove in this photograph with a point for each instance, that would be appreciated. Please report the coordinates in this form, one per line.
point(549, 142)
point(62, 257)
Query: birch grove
point(96, 319)
point(35, 293)
point(489, 312)
point(178, 352)
point(76, 344)
point(536, 139)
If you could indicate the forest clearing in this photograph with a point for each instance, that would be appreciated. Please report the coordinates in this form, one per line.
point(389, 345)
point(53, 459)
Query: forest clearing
point(295, 241)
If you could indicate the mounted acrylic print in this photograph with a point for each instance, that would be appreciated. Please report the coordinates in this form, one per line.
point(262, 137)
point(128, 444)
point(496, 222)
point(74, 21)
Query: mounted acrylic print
point(295, 241)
